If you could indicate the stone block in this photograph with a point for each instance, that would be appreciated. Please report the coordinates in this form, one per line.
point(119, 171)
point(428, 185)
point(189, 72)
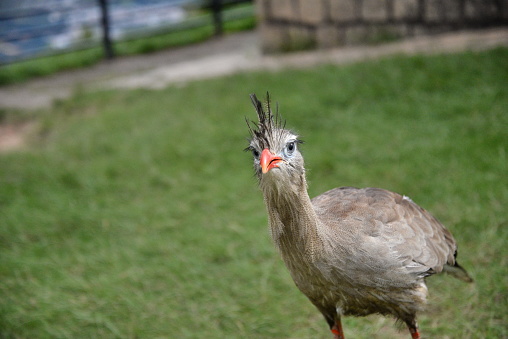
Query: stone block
point(375, 10)
point(262, 7)
point(344, 10)
point(300, 38)
point(355, 35)
point(443, 11)
point(311, 11)
point(283, 10)
point(405, 10)
point(328, 36)
point(453, 10)
point(273, 37)
point(480, 10)
point(434, 11)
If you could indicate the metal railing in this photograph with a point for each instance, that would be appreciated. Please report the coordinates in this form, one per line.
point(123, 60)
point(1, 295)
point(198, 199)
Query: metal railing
point(29, 29)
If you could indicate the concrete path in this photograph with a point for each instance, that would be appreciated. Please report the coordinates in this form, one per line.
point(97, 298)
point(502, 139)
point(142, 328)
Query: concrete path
point(227, 55)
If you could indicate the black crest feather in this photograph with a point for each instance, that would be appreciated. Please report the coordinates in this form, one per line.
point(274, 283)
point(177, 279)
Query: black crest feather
point(268, 123)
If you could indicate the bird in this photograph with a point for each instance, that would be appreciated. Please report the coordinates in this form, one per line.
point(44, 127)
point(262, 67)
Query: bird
point(350, 251)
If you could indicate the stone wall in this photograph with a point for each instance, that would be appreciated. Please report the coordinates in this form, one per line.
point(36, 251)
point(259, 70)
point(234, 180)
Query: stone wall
point(287, 25)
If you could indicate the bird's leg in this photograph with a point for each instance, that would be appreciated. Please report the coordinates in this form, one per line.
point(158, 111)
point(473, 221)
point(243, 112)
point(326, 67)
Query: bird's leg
point(413, 329)
point(337, 329)
point(414, 333)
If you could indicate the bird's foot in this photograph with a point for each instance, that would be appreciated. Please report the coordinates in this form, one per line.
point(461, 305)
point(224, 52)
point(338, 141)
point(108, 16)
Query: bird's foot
point(337, 330)
point(414, 333)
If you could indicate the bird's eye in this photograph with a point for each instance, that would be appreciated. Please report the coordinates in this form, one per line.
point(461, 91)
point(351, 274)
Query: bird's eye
point(290, 148)
point(255, 153)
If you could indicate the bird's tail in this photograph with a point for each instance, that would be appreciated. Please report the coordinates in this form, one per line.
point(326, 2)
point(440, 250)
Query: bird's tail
point(458, 272)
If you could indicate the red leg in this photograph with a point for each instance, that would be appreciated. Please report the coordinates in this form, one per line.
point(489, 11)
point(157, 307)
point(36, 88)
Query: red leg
point(413, 329)
point(337, 330)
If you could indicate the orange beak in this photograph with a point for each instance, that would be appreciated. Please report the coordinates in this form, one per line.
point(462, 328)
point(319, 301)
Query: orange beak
point(268, 160)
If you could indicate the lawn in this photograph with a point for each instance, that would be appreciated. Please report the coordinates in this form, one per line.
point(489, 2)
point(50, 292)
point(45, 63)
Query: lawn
point(135, 214)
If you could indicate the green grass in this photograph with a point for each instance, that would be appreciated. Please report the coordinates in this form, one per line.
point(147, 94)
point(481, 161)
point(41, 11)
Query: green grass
point(237, 18)
point(135, 214)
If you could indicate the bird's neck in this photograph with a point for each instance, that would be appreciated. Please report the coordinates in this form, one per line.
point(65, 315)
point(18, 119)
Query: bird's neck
point(294, 225)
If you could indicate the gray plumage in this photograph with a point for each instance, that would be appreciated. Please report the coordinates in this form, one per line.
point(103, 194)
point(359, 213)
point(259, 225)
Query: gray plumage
point(350, 251)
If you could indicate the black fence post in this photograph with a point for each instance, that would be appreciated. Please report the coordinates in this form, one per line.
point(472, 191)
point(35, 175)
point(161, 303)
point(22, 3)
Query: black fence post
point(106, 40)
point(217, 16)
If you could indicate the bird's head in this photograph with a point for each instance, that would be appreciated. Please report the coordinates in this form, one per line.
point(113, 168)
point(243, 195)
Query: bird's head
point(277, 159)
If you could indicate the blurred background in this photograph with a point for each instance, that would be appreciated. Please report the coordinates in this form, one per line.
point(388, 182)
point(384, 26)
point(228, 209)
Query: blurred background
point(33, 29)
point(128, 209)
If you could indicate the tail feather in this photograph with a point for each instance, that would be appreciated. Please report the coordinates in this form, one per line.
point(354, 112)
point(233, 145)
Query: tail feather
point(458, 272)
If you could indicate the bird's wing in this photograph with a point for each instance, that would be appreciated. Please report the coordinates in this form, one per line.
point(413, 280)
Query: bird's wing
point(382, 224)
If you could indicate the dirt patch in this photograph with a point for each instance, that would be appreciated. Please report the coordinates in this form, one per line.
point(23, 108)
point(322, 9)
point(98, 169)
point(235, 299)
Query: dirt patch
point(13, 136)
